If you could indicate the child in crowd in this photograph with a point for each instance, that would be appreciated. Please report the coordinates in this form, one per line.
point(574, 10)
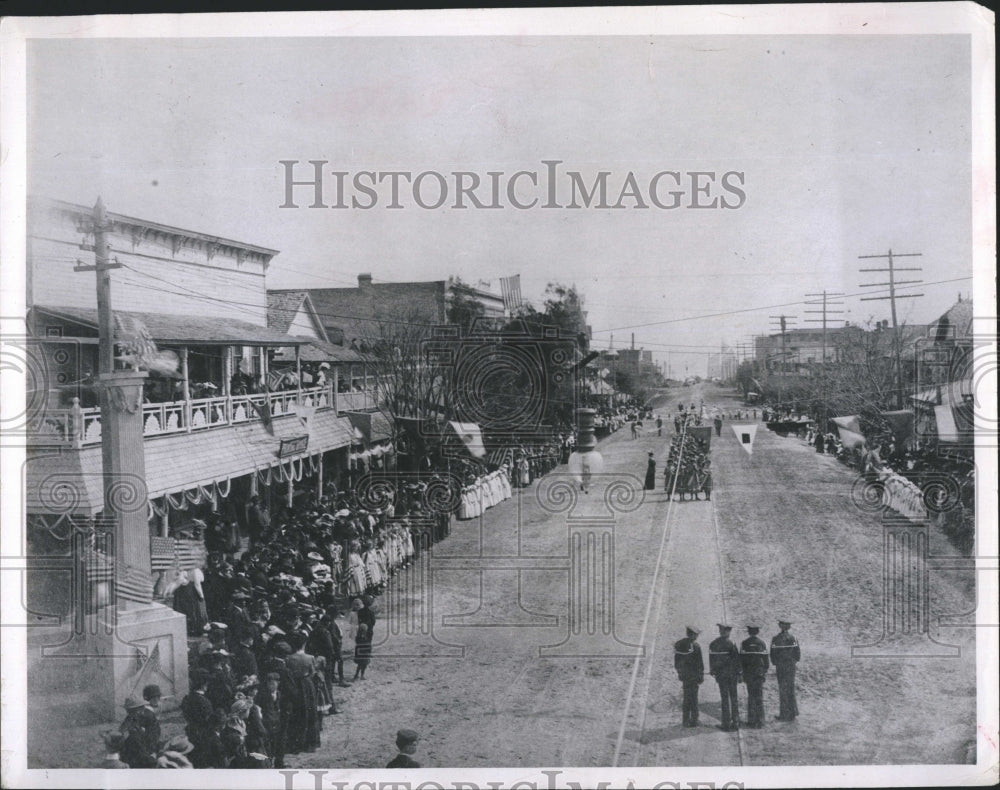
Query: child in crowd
point(362, 650)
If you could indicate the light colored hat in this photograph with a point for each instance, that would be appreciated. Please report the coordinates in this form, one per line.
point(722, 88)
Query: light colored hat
point(315, 555)
point(179, 744)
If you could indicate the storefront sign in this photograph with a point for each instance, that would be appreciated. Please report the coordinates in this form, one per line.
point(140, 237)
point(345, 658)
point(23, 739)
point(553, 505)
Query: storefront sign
point(293, 446)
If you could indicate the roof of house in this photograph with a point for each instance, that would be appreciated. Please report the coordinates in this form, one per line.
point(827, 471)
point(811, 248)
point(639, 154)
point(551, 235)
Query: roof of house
point(318, 351)
point(172, 328)
point(283, 306)
point(363, 311)
point(959, 315)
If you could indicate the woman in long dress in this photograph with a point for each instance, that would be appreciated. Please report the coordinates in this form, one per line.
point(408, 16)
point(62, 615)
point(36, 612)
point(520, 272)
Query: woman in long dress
point(650, 483)
point(189, 600)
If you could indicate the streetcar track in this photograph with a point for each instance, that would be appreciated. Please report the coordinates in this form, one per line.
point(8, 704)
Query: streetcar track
point(667, 528)
point(740, 743)
point(651, 648)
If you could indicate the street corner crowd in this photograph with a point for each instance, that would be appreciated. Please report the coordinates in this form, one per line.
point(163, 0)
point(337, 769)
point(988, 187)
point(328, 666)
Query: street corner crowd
point(729, 665)
point(270, 627)
point(268, 630)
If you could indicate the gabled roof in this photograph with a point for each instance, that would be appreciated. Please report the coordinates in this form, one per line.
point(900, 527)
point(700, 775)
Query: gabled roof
point(283, 306)
point(959, 317)
point(172, 328)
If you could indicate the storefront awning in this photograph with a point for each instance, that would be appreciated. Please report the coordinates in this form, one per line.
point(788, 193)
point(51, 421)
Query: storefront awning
point(182, 329)
point(313, 350)
point(370, 426)
point(851, 423)
point(470, 436)
point(70, 482)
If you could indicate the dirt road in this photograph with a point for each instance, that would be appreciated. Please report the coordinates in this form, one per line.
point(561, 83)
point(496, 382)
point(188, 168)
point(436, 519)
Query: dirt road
point(781, 537)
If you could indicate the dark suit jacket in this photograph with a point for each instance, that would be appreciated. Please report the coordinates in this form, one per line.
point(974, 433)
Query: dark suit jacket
point(403, 761)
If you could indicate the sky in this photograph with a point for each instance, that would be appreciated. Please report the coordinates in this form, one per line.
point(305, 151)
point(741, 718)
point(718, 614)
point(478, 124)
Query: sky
point(847, 146)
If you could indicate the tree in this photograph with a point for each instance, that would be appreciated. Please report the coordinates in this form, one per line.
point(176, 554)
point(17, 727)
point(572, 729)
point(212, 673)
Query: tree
point(464, 309)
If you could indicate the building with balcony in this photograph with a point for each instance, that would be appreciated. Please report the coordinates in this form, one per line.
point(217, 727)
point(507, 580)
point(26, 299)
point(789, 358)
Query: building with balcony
point(259, 402)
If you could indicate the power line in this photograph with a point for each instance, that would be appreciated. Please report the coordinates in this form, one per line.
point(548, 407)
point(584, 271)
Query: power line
point(761, 307)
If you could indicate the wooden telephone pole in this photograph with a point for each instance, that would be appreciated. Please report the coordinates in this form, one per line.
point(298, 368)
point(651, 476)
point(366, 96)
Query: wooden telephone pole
point(827, 298)
point(781, 322)
point(892, 297)
point(122, 452)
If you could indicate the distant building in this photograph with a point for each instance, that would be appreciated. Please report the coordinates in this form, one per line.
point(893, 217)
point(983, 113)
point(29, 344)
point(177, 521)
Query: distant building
point(356, 317)
point(798, 349)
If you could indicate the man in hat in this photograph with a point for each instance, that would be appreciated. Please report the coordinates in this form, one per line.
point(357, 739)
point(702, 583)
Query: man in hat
point(141, 731)
point(113, 742)
point(406, 743)
point(753, 655)
point(221, 684)
point(785, 654)
point(273, 711)
point(244, 661)
point(174, 753)
point(197, 710)
point(724, 665)
point(238, 618)
point(691, 671)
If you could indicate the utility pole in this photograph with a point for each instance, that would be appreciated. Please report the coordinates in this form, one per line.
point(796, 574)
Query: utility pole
point(134, 619)
point(105, 316)
point(825, 302)
point(122, 452)
point(782, 324)
point(892, 297)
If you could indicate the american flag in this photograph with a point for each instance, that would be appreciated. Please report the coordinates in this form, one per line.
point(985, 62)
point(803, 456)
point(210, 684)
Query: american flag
point(133, 584)
point(510, 289)
point(167, 553)
point(274, 378)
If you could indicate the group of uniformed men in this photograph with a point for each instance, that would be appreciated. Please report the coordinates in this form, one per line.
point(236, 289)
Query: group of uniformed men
point(729, 665)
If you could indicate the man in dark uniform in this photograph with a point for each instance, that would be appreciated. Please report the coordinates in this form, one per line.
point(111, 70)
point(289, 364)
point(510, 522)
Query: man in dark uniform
point(785, 655)
point(406, 742)
point(691, 672)
point(753, 654)
point(724, 665)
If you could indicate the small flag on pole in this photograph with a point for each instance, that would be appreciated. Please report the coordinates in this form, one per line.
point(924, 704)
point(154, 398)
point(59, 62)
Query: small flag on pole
point(510, 289)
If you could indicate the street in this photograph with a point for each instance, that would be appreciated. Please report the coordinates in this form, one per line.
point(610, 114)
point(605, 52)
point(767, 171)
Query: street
point(781, 537)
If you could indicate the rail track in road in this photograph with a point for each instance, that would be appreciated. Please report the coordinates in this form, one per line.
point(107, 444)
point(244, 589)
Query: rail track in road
point(642, 682)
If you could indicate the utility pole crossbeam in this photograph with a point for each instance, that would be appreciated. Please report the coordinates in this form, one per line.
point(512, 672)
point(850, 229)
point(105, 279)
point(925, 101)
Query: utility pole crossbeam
point(782, 325)
point(827, 298)
point(892, 297)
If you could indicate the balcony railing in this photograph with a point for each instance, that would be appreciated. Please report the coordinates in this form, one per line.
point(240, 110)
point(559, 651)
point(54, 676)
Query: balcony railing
point(78, 427)
point(356, 401)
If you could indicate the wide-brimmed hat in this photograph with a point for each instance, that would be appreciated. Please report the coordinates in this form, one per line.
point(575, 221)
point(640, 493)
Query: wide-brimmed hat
point(131, 703)
point(315, 555)
point(179, 744)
